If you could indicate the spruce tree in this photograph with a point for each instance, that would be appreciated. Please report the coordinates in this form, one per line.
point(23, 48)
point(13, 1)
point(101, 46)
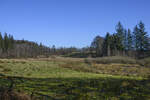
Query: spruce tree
point(6, 42)
point(10, 41)
point(125, 40)
point(1, 41)
point(120, 36)
point(140, 37)
point(106, 45)
point(129, 40)
point(136, 38)
point(143, 37)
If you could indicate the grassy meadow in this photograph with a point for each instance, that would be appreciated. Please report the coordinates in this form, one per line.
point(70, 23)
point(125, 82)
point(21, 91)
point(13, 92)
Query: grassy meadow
point(59, 78)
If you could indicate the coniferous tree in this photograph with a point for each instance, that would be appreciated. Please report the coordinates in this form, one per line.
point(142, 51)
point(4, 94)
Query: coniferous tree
point(10, 41)
point(115, 45)
point(106, 45)
point(129, 40)
point(125, 39)
point(143, 37)
point(136, 38)
point(1, 41)
point(120, 35)
point(6, 42)
point(140, 37)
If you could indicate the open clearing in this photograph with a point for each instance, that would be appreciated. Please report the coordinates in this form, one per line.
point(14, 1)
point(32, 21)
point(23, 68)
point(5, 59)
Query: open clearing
point(77, 79)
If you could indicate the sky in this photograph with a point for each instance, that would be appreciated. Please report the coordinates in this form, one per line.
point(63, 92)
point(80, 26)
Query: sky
point(69, 22)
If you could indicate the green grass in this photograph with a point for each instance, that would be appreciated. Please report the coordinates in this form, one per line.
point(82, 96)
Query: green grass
point(85, 88)
point(61, 79)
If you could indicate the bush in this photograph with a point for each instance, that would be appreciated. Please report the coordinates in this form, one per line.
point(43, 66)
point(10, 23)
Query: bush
point(6, 70)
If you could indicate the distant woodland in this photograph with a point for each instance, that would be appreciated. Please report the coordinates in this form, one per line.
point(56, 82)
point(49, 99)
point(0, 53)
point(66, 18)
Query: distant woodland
point(124, 42)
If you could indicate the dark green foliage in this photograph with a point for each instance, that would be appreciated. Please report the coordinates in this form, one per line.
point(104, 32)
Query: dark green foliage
point(141, 37)
point(1, 41)
point(120, 34)
point(6, 42)
point(106, 45)
point(136, 37)
point(129, 45)
point(124, 43)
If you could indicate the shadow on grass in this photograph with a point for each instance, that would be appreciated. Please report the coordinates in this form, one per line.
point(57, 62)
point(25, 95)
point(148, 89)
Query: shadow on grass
point(81, 88)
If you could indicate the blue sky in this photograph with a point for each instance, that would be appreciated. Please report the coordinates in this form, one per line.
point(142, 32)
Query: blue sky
point(69, 22)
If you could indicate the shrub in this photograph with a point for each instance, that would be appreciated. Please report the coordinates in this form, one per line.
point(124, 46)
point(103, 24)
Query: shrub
point(6, 70)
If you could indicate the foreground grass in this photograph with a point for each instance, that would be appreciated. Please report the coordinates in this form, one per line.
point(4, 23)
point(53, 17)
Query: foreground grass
point(83, 88)
point(61, 79)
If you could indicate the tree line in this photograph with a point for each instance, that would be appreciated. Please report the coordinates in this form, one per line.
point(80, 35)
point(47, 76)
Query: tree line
point(123, 42)
point(11, 48)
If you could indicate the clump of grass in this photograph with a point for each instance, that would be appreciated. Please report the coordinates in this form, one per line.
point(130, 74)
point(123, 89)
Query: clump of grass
point(2, 61)
point(78, 66)
point(6, 70)
point(53, 57)
point(87, 61)
point(1, 66)
point(144, 62)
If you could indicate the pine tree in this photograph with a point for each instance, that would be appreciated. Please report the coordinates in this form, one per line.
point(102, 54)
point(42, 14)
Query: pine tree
point(10, 41)
point(1, 41)
point(129, 40)
point(136, 38)
point(106, 45)
point(143, 37)
point(125, 39)
point(6, 42)
point(120, 35)
point(140, 37)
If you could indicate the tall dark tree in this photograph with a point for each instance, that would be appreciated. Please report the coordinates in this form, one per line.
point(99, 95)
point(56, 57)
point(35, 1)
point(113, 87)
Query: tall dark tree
point(1, 41)
point(144, 42)
point(106, 45)
point(125, 39)
point(6, 42)
point(54, 49)
point(10, 41)
point(136, 38)
point(120, 34)
point(140, 37)
point(129, 45)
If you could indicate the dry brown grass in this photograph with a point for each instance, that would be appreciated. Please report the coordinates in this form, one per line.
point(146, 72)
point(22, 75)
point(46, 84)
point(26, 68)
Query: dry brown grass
point(122, 69)
point(111, 68)
point(113, 59)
